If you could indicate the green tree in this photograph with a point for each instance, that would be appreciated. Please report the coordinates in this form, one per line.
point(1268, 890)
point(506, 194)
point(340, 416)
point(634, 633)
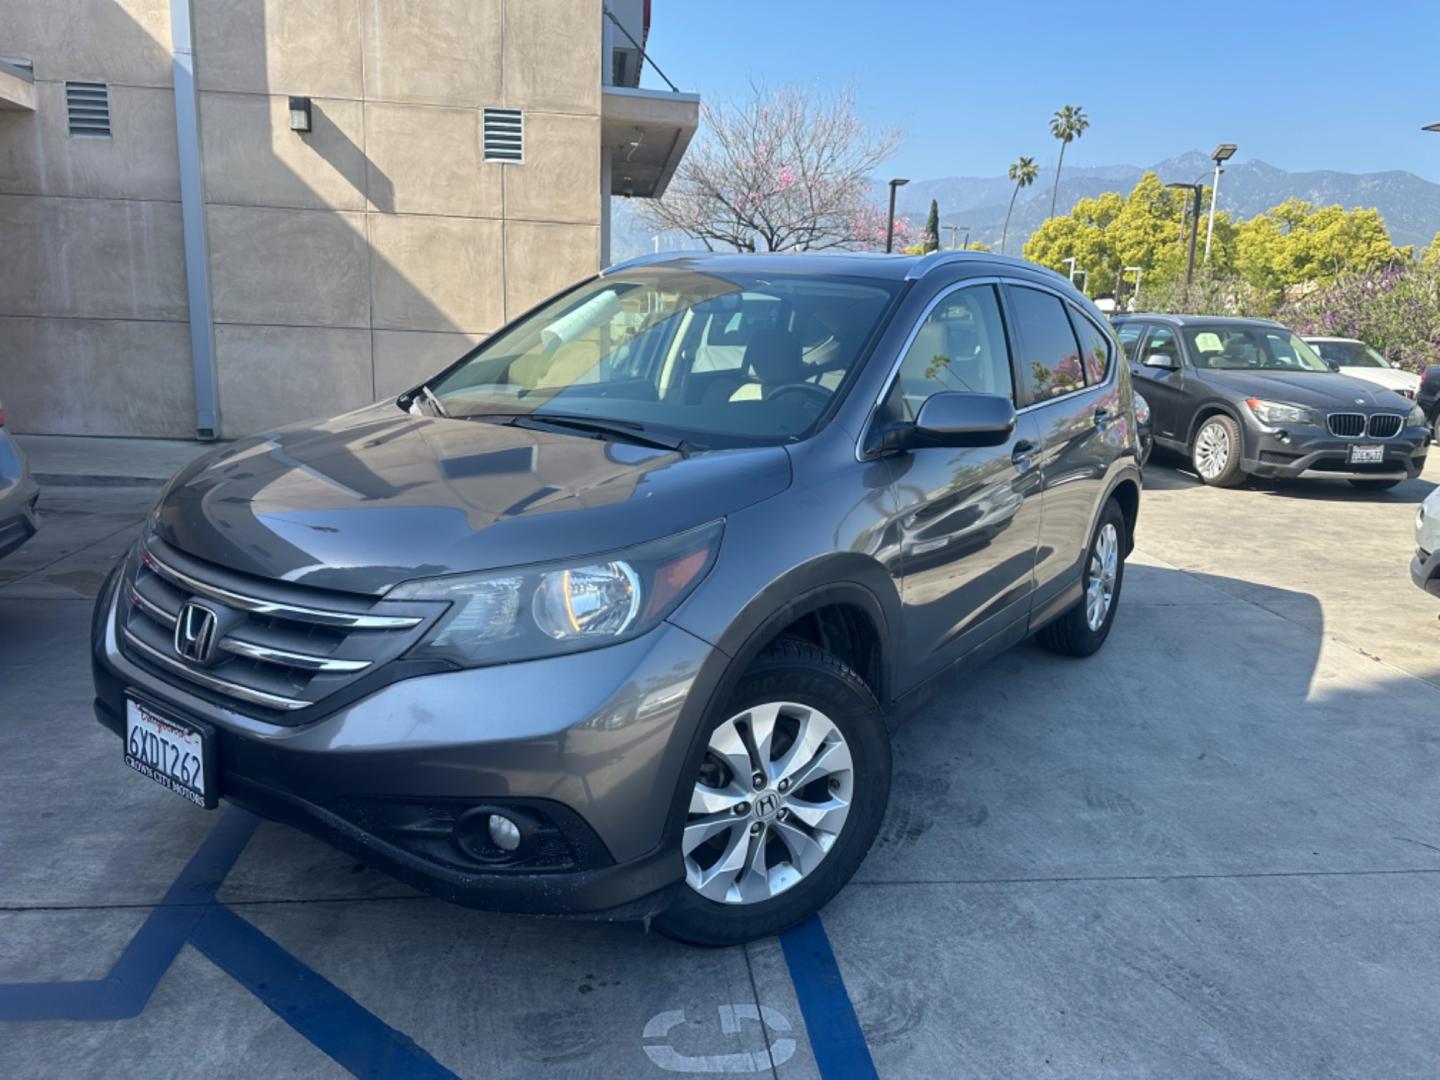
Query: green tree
point(1068, 124)
point(1430, 256)
point(932, 228)
point(1296, 243)
point(1023, 173)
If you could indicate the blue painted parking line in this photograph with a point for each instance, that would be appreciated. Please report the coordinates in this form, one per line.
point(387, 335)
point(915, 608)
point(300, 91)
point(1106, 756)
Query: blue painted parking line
point(320, 1011)
point(836, 1040)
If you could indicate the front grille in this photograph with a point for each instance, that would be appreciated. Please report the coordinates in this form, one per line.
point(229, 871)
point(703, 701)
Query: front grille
point(1347, 425)
point(1386, 425)
point(1276, 457)
point(276, 647)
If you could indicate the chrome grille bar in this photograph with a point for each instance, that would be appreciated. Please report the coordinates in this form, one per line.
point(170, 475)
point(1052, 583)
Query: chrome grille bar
point(321, 617)
point(221, 686)
point(154, 610)
point(255, 651)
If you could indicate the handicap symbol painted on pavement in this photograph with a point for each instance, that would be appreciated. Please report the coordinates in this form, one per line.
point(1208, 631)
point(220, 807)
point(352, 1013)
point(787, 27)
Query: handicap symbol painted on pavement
point(740, 1061)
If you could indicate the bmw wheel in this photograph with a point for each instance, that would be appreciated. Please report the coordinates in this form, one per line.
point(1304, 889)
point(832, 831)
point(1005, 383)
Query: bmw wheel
point(787, 799)
point(1216, 452)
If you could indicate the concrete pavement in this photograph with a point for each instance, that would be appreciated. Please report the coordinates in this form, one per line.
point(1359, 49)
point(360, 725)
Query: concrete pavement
point(1211, 850)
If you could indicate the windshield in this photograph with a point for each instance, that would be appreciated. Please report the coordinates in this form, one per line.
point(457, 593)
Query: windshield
point(714, 360)
point(1251, 348)
point(1350, 353)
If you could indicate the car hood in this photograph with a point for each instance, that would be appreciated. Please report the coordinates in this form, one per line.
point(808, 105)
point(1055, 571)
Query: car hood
point(378, 496)
point(1386, 377)
point(1316, 389)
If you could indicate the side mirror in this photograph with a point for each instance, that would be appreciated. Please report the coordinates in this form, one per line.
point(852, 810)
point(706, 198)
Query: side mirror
point(1333, 365)
point(955, 419)
point(1161, 360)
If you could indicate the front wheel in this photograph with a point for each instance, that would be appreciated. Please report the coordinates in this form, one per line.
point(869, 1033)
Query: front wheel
point(1084, 628)
point(787, 800)
point(1216, 452)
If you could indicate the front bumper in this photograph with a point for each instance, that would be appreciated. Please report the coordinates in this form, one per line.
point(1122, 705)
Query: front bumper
point(1308, 451)
point(592, 743)
point(1425, 570)
point(19, 520)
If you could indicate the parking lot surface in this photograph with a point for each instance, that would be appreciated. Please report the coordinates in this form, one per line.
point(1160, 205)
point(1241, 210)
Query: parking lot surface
point(1211, 850)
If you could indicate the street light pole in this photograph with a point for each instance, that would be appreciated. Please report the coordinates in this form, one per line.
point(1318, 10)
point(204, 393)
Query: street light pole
point(890, 222)
point(1139, 270)
point(1071, 260)
point(1194, 190)
point(1221, 154)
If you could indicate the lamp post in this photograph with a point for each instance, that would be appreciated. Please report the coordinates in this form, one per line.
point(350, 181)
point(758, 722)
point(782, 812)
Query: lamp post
point(1195, 190)
point(890, 222)
point(1138, 271)
point(1222, 153)
point(1071, 260)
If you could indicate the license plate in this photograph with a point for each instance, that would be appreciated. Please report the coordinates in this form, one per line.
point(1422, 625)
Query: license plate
point(1367, 455)
point(175, 753)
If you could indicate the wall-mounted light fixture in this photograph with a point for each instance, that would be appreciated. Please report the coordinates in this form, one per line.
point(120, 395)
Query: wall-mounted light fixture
point(299, 114)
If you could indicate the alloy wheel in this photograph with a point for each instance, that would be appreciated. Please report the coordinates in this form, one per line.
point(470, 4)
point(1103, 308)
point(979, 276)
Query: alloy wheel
point(1104, 569)
point(1212, 450)
point(773, 794)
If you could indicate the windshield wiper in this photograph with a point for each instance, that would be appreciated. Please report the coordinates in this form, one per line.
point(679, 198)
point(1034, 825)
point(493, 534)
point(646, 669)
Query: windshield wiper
point(628, 430)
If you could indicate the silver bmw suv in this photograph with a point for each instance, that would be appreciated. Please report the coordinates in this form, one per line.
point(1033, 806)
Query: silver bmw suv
point(614, 616)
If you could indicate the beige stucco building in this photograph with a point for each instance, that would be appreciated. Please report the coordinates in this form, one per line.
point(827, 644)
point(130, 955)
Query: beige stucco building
point(175, 258)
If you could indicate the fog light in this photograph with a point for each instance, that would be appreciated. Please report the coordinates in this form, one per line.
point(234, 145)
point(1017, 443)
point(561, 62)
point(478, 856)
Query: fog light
point(504, 833)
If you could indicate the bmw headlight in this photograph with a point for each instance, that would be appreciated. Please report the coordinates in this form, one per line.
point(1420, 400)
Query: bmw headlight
point(1416, 417)
point(1277, 412)
point(528, 612)
point(1142, 410)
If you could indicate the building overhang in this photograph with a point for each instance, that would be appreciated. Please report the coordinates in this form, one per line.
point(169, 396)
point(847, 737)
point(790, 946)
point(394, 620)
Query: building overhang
point(646, 133)
point(17, 87)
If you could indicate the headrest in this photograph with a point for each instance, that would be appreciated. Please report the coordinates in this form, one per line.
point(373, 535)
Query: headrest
point(774, 357)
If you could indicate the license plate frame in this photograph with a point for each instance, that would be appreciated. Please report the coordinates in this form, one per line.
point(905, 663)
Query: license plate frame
point(1366, 455)
point(162, 757)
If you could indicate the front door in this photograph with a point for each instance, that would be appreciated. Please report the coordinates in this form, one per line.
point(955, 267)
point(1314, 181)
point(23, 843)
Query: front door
point(1163, 388)
point(969, 517)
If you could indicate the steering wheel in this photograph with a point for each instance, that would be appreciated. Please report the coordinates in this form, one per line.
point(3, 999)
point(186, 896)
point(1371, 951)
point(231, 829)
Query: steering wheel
point(818, 393)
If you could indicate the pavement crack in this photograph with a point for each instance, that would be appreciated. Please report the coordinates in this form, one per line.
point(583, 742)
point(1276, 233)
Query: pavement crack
point(1100, 878)
point(1422, 843)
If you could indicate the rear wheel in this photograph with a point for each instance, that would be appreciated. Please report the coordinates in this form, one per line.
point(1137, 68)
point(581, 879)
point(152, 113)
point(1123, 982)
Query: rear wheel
point(1215, 453)
point(1375, 485)
point(787, 801)
point(1084, 628)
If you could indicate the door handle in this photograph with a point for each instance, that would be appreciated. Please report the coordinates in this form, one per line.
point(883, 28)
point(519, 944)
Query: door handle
point(1023, 456)
point(1102, 418)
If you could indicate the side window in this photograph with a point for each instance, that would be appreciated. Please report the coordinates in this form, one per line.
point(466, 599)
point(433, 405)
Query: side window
point(1162, 341)
point(1129, 335)
point(1094, 348)
point(1050, 355)
point(959, 347)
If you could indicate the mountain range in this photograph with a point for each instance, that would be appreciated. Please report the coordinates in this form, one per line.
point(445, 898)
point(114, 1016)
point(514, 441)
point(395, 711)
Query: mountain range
point(1409, 205)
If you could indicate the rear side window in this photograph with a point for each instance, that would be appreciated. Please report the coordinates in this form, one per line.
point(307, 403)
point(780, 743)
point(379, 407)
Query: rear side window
point(1049, 353)
point(1094, 348)
point(959, 347)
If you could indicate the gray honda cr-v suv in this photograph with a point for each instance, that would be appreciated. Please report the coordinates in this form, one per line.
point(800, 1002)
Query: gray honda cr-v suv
point(611, 616)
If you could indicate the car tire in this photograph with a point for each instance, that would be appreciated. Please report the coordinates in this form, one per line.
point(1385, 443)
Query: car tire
point(1216, 451)
point(804, 682)
point(1435, 428)
point(1374, 485)
point(1083, 629)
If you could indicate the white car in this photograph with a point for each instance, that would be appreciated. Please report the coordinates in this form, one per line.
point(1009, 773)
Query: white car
point(1425, 566)
point(1360, 361)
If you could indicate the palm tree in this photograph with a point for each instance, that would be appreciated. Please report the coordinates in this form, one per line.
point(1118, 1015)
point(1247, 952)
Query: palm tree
point(1023, 172)
point(1067, 124)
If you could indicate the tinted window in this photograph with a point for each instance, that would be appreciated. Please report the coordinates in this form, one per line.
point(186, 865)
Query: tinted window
point(1094, 348)
point(1162, 342)
point(1231, 348)
point(1129, 335)
point(1050, 356)
point(960, 346)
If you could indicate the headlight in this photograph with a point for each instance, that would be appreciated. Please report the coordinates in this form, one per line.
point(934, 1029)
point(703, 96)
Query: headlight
point(1142, 409)
point(1277, 412)
point(531, 611)
point(1416, 417)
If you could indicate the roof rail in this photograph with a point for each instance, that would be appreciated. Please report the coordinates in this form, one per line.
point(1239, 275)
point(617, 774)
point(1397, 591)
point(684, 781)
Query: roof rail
point(937, 259)
point(651, 259)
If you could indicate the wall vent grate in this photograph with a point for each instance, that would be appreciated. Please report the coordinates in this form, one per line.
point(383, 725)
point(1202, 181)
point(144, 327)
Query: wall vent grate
point(88, 106)
point(504, 135)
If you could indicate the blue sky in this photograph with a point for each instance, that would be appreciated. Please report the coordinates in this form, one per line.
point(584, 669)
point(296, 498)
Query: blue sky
point(972, 83)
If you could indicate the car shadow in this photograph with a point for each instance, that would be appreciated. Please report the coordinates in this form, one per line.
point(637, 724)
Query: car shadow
point(1167, 471)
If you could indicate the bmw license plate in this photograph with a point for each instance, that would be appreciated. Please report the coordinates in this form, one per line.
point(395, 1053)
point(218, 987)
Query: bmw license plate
point(1367, 455)
point(175, 753)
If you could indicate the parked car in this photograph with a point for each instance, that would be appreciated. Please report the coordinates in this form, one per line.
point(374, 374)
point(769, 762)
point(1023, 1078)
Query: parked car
point(18, 494)
point(1353, 357)
point(1248, 397)
point(1142, 427)
point(594, 622)
point(1427, 396)
point(1425, 566)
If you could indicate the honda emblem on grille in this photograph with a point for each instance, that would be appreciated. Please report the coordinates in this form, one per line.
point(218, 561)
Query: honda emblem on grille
point(195, 632)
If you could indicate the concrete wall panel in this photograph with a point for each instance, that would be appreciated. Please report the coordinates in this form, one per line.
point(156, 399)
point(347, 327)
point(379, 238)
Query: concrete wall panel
point(273, 375)
point(92, 258)
point(559, 178)
point(38, 156)
point(99, 40)
point(425, 159)
point(541, 259)
point(252, 158)
point(552, 54)
point(294, 267)
point(435, 273)
point(438, 51)
point(406, 357)
point(306, 47)
point(97, 377)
